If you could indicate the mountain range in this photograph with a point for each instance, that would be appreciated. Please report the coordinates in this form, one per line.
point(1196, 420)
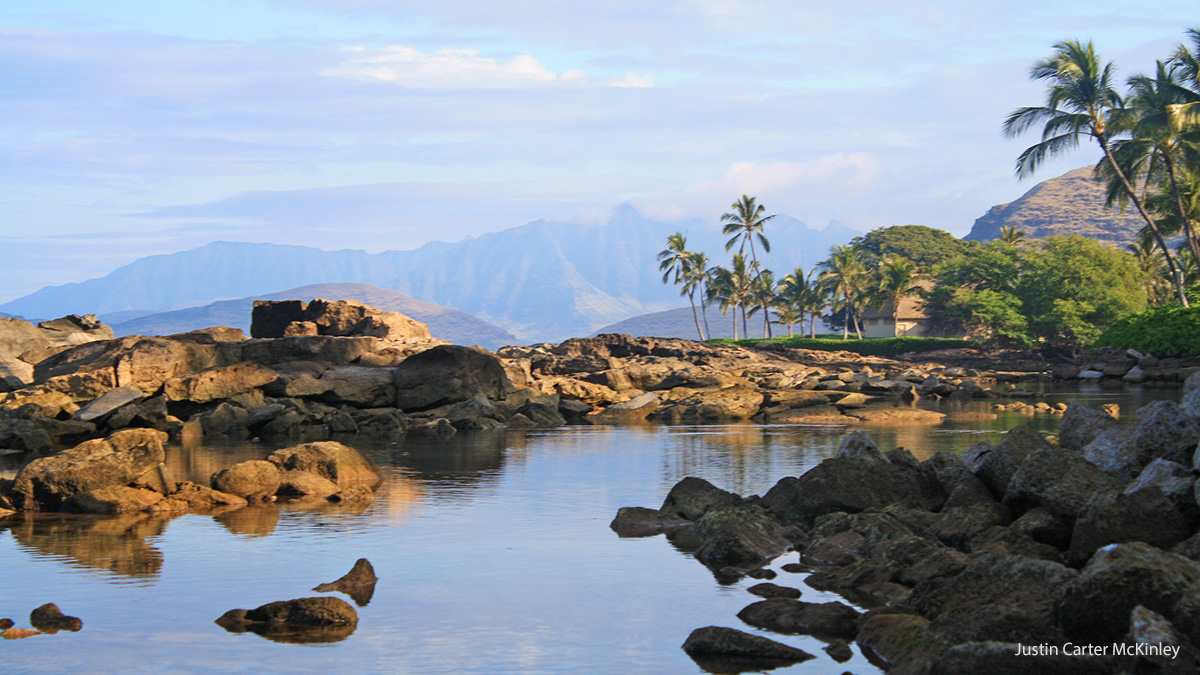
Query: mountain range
point(543, 281)
point(444, 322)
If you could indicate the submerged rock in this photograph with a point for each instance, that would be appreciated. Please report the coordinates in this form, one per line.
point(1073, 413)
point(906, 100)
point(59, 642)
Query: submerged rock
point(727, 650)
point(794, 617)
point(323, 619)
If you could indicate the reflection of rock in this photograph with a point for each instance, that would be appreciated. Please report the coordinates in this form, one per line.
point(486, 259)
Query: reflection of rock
point(358, 583)
point(253, 521)
point(323, 619)
point(49, 619)
point(117, 544)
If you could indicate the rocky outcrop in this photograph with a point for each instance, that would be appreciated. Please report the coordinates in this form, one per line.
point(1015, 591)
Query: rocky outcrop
point(47, 484)
point(276, 319)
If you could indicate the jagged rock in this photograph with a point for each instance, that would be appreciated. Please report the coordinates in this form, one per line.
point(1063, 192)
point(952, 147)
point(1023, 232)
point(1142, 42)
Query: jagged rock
point(110, 401)
point(358, 583)
point(858, 445)
point(996, 597)
point(903, 642)
point(996, 466)
point(225, 420)
point(253, 480)
point(1042, 526)
point(717, 645)
point(1161, 429)
point(692, 497)
point(793, 617)
point(740, 535)
point(112, 499)
point(337, 318)
point(841, 484)
point(119, 459)
point(448, 374)
point(1113, 518)
point(1057, 480)
point(637, 521)
point(1096, 605)
point(1173, 479)
point(1151, 629)
point(1081, 425)
point(218, 383)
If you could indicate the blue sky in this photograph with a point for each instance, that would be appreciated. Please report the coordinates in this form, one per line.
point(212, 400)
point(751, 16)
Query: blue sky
point(136, 128)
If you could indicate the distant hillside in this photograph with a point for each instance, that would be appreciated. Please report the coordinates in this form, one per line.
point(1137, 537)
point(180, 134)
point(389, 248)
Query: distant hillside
point(543, 281)
point(679, 323)
point(444, 323)
point(1072, 203)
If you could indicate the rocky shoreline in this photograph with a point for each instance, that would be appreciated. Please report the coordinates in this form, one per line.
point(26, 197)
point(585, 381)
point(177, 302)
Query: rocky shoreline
point(335, 370)
point(1074, 554)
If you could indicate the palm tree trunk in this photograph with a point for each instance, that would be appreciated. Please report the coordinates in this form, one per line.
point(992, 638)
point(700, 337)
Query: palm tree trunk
point(812, 326)
point(695, 317)
point(734, 313)
point(846, 323)
point(1112, 161)
point(1193, 244)
point(745, 328)
point(704, 307)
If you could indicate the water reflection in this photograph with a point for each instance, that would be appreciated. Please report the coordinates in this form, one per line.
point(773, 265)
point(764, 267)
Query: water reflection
point(258, 520)
point(115, 544)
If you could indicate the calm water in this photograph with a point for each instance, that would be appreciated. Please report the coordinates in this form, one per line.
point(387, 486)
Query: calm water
point(493, 552)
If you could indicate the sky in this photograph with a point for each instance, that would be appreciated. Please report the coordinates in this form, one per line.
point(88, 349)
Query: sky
point(130, 129)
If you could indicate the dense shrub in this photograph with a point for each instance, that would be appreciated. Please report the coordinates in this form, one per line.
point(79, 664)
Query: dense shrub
point(1163, 331)
point(868, 347)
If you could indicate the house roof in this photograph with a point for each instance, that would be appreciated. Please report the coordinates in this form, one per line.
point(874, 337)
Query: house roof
point(912, 307)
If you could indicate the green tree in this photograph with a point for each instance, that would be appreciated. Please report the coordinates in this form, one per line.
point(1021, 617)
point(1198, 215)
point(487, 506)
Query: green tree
point(731, 289)
point(925, 246)
point(1072, 287)
point(675, 261)
point(994, 316)
point(698, 274)
point(743, 225)
point(1009, 234)
point(1081, 101)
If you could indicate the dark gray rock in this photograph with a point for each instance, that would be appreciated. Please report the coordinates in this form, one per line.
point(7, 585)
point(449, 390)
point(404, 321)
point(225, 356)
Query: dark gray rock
point(49, 619)
point(1000, 658)
point(1149, 628)
point(850, 485)
point(1082, 424)
point(1096, 605)
point(1057, 480)
point(448, 374)
point(692, 497)
point(748, 652)
point(1113, 518)
point(770, 590)
point(902, 642)
point(997, 466)
point(1161, 429)
point(794, 617)
point(739, 535)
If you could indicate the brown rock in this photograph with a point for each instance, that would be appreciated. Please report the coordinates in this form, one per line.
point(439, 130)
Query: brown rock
point(340, 464)
point(49, 619)
point(254, 480)
point(46, 483)
point(218, 383)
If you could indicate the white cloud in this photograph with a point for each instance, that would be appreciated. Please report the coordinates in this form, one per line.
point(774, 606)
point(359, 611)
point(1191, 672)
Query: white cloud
point(787, 185)
point(633, 80)
point(452, 68)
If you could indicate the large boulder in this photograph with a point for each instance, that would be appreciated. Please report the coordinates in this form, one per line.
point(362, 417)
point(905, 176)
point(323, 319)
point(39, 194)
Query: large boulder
point(340, 464)
point(738, 535)
point(996, 597)
point(852, 485)
point(253, 480)
point(996, 466)
point(1057, 480)
point(1082, 424)
point(1114, 518)
point(45, 484)
point(1161, 429)
point(448, 374)
point(1095, 606)
point(794, 617)
point(692, 497)
point(1002, 658)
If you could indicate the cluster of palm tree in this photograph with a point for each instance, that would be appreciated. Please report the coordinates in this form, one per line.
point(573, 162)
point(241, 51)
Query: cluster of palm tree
point(1150, 139)
point(849, 282)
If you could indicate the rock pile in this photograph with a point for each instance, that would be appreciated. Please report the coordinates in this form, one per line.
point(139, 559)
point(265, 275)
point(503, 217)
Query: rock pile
point(1074, 554)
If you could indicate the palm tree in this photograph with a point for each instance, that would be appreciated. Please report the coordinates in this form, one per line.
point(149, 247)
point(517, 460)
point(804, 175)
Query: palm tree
point(763, 299)
point(1158, 145)
point(843, 276)
point(1080, 101)
point(1009, 234)
point(731, 288)
point(743, 225)
point(1154, 270)
point(897, 280)
point(675, 260)
point(699, 275)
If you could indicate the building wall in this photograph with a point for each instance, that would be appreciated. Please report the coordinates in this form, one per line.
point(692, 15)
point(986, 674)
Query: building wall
point(888, 327)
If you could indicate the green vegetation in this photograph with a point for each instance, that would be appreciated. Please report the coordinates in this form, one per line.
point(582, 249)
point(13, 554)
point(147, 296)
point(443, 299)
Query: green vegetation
point(1163, 331)
point(1057, 292)
point(886, 347)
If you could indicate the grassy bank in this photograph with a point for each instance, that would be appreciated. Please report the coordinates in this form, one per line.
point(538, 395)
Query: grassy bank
point(867, 347)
